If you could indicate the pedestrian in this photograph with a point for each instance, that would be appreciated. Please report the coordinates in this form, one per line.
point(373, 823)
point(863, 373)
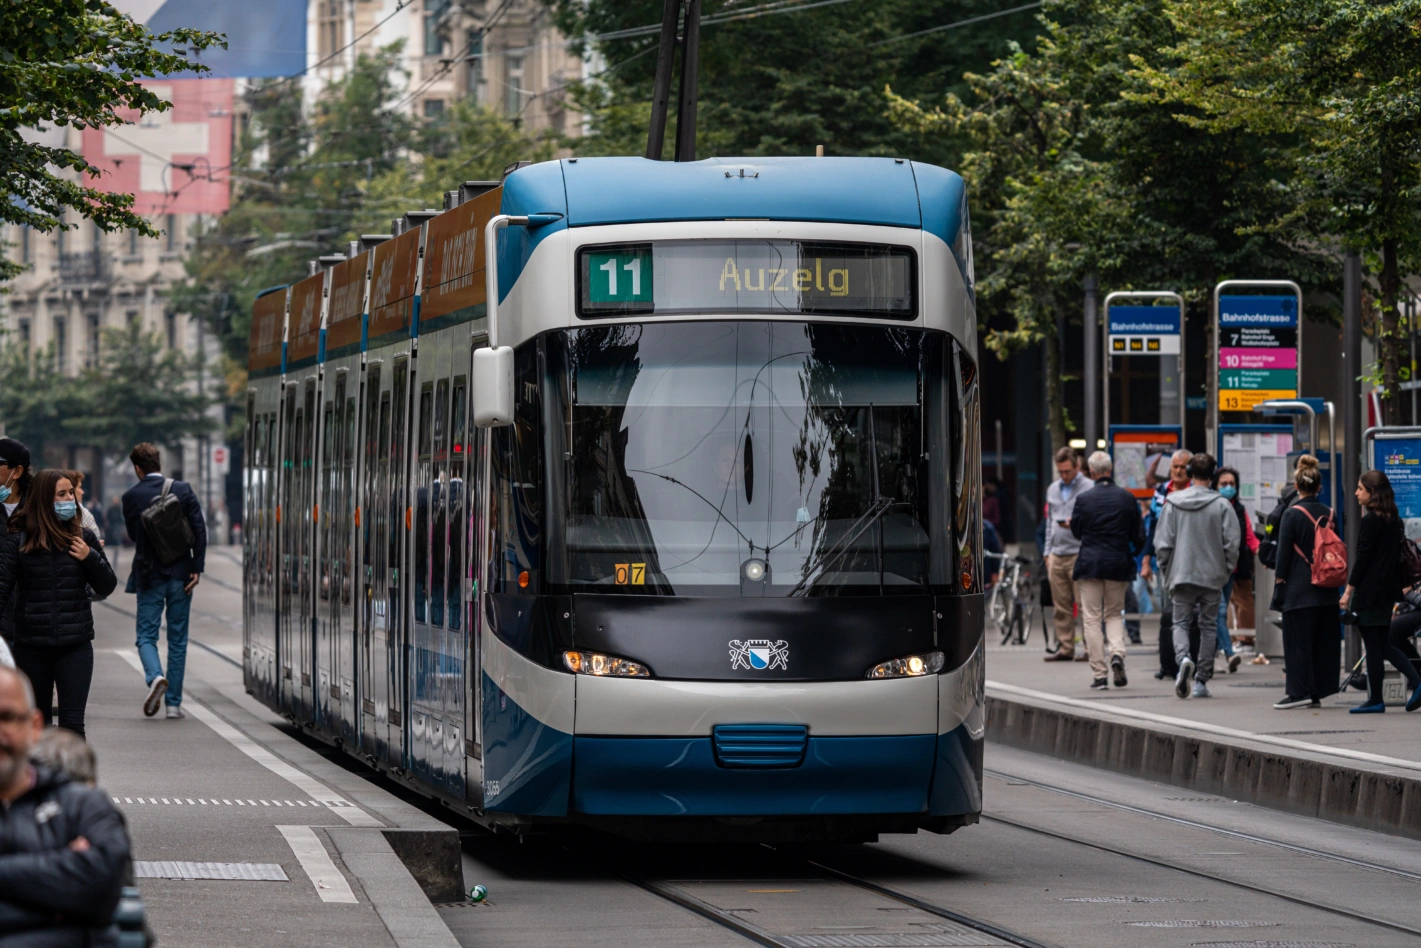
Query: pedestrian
point(1405, 624)
point(46, 560)
point(1226, 483)
point(161, 585)
point(63, 845)
point(1061, 549)
point(86, 516)
point(1178, 480)
point(991, 505)
point(1374, 589)
point(114, 516)
point(1107, 522)
point(1312, 640)
point(15, 480)
point(1196, 544)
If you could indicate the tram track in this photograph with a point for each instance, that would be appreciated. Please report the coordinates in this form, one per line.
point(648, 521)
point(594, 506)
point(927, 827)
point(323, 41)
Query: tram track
point(1196, 824)
point(669, 891)
point(1212, 876)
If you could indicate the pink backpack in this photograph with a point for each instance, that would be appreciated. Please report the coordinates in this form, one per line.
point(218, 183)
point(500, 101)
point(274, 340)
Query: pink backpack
point(1329, 553)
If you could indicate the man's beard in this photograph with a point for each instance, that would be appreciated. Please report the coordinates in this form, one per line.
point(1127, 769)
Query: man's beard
point(12, 764)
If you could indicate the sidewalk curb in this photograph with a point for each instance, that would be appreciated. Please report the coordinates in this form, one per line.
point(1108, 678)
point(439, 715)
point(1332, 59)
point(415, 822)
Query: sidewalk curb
point(1367, 796)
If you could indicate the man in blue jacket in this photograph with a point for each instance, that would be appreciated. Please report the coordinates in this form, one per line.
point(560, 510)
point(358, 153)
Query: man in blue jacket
point(162, 586)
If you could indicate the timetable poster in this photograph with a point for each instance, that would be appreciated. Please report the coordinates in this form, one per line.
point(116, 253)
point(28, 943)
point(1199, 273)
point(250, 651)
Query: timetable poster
point(1400, 460)
point(1261, 459)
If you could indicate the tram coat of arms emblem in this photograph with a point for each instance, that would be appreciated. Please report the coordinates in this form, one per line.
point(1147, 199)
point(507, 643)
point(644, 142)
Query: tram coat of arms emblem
point(759, 654)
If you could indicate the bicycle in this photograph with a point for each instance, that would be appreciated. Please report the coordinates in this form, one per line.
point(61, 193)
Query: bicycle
point(1010, 603)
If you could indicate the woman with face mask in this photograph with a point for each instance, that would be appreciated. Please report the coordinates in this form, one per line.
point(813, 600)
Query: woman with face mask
point(1226, 482)
point(15, 477)
point(46, 559)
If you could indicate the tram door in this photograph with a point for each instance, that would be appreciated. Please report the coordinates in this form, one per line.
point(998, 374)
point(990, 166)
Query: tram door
point(287, 520)
point(259, 544)
point(334, 685)
point(385, 654)
point(473, 524)
point(430, 417)
point(455, 591)
point(321, 522)
point(345, 604)
point(372, 521)
point(304, 654)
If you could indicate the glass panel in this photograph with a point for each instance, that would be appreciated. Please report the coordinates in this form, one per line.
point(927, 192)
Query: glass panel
point(457, 468)
point(703, 454)
point(747, 276)
point(421, 505)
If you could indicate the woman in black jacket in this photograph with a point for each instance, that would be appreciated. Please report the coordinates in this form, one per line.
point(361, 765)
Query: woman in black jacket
point(1312, 629)
point(1374, 588)
point(46, 560)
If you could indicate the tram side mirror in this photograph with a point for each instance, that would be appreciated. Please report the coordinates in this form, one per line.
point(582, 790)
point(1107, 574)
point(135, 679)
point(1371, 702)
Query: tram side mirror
point(493, 387)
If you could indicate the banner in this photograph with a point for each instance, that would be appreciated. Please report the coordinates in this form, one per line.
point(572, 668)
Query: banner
point(1400, 460)
point(173, 162)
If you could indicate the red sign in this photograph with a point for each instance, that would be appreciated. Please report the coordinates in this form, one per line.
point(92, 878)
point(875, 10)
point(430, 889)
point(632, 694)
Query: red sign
point(173, 162)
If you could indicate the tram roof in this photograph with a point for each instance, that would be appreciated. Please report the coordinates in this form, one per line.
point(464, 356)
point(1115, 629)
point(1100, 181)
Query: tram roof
point(886, 191)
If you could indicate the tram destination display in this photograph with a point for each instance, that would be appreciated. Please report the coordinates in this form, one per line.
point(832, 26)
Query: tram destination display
point(746, 276)
point(1258, 350)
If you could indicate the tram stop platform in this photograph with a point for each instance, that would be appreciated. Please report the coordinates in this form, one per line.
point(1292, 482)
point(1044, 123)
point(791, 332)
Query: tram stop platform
point(245, 834)
point(1362, 770)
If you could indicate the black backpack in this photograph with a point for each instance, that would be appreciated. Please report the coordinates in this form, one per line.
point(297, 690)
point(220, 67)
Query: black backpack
point(1268, 544)
point(167, 526)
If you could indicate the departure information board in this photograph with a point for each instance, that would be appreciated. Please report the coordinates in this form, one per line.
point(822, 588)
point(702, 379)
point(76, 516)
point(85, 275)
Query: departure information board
point(1258, 350)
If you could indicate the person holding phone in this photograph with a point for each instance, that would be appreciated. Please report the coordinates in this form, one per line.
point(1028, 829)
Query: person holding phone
point(1061, 551)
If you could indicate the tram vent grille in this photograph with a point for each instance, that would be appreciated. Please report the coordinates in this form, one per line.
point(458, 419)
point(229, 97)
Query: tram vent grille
point(760, 745)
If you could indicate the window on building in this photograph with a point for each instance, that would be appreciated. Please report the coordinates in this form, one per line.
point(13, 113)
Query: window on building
point(475, 60)
point(170, 233)
point(172, 330)
point(61, 345)
point(330, 23)
point(132, 242)
point(131, 316)
point(93, 327)
point(25, 334)
point(25, 250)
point(433, 108)
point(434, 11)
point(513, 103)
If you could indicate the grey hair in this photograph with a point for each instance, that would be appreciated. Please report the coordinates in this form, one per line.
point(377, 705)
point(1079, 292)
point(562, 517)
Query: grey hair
point(1100, 464)
point(25, 686)
point(1183, 454)
point(67, 753)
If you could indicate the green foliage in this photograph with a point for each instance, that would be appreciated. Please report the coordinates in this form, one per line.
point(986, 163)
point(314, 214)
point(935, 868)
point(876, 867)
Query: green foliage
point(781, 83)
point(73, 64)
point(138, 392)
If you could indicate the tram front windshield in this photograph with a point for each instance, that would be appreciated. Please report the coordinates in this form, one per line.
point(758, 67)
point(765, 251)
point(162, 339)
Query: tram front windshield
point(755, 458)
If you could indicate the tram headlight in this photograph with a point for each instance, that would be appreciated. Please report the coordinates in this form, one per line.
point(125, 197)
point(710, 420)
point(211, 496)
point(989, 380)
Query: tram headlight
point(909, 666)
point(603, 666)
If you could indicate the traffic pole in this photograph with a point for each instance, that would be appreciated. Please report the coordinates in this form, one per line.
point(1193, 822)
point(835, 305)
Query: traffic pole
point(690, 70)
point(661, 90)
point(1351, 419)
point(1091, 340)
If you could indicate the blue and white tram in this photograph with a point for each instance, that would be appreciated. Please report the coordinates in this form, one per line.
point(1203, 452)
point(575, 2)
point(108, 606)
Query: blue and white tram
point(691, 513)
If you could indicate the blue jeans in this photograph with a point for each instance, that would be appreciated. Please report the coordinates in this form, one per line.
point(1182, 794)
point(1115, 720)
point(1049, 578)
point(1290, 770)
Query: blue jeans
point(151, 602)
point(1226, 641)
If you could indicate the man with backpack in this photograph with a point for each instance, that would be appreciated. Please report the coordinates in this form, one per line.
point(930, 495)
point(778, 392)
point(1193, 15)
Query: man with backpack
point(1196, 544)
point(169, 536)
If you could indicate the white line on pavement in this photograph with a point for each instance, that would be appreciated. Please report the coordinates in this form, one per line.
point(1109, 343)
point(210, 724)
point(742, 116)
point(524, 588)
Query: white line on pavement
point(330, 884)
point(309, 785)
point(1206, 728)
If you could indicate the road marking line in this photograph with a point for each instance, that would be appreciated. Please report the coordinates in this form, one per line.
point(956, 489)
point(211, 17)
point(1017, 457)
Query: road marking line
point(330, 884)
point(312, 787)
point(1206, 728)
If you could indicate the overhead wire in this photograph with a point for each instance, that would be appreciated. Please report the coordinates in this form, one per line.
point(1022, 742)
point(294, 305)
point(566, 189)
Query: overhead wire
point(955, 24)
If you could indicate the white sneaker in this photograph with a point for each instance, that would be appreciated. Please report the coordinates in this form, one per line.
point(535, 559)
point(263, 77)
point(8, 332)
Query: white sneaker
point(1181, 681)
point(175, 712)
point(1201, 690)
point(154, 701)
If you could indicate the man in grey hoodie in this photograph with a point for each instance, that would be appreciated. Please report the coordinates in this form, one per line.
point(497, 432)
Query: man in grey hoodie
point(1196, 545)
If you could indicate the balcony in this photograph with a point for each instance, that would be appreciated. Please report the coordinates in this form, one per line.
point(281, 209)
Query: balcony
point(83, 268)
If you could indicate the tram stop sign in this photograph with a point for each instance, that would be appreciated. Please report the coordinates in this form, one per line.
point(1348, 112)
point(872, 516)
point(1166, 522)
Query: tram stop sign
point(1258, 350)
point(1144, 330)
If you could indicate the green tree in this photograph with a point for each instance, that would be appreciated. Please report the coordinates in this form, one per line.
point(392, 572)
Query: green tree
point(139, 391)
point(35, 399)
point(74, 64)
point(782, 81)
point(1341, 79)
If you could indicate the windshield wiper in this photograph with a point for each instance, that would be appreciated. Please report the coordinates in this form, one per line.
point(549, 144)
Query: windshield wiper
point(831, 554)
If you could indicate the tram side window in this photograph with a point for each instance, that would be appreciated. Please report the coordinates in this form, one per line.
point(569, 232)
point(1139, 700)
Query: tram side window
point(421, 504)
point(346, 525)
point(372, 451)
point(966, 474)
point(439, 535)
point(329, 426)
point(518, 482)
point(395, 483)
point(458, 465)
